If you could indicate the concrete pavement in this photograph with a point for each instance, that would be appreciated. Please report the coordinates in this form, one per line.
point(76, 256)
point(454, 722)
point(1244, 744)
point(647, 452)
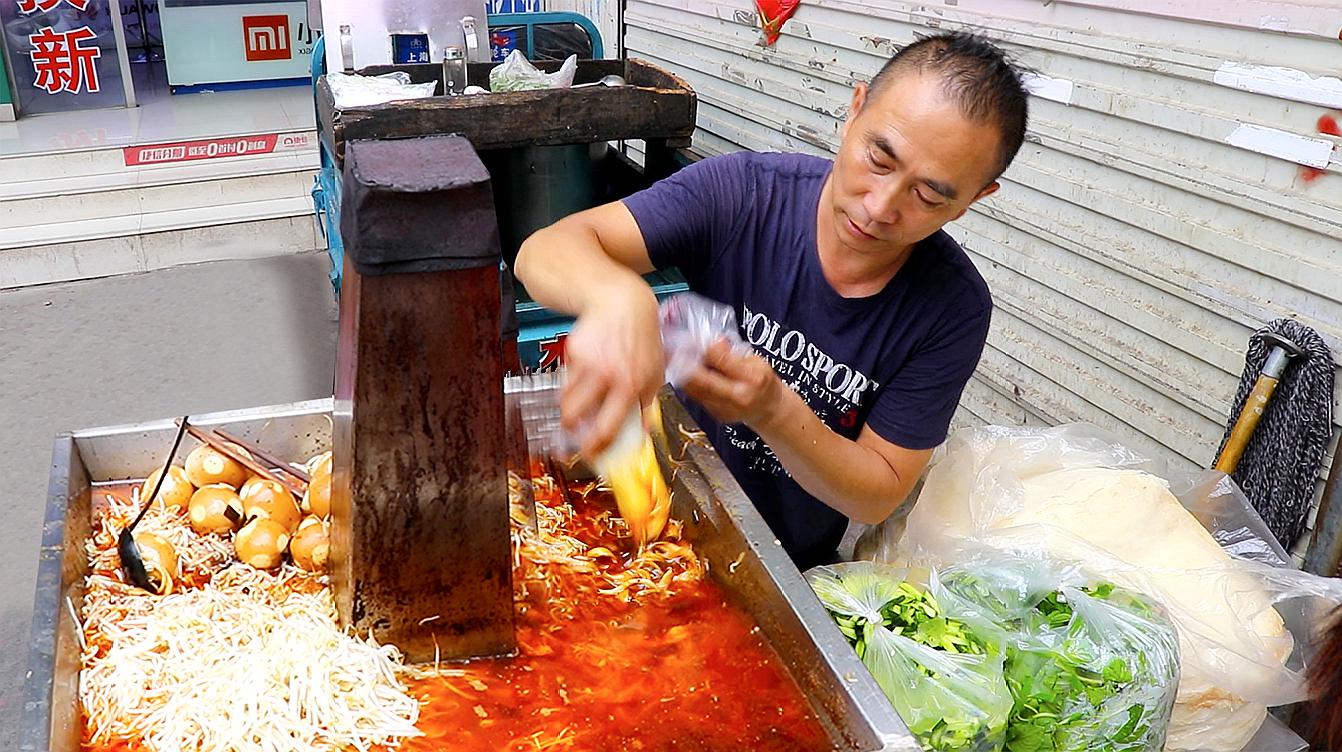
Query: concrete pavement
point(189, 339)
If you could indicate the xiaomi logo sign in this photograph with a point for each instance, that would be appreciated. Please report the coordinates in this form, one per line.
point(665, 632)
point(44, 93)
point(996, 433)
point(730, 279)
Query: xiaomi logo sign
point(266, 38)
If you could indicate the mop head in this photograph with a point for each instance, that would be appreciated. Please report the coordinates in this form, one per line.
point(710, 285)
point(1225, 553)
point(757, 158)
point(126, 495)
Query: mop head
point(1280, 466)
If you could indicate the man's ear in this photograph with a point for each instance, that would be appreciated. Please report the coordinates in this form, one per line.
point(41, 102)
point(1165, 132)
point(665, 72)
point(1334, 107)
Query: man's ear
point(860, 93)
point(987, 191)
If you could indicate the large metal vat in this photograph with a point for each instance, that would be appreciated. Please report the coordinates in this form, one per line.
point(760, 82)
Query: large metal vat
point(719, 520)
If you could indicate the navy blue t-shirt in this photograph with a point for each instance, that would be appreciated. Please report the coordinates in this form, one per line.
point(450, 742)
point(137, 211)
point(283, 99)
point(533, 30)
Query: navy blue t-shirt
point(742, 229)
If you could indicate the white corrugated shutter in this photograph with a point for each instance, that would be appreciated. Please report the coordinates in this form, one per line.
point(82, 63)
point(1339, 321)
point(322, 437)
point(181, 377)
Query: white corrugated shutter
point(1156, 216)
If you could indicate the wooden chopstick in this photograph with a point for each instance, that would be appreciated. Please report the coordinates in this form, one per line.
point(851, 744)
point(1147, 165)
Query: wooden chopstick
point(266, 456)
point(226, 449)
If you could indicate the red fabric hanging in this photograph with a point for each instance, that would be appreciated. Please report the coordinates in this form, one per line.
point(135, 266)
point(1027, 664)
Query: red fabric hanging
point(773, 14)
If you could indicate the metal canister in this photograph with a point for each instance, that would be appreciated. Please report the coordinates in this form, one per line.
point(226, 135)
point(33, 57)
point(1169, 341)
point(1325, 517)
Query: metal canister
point(454, 70)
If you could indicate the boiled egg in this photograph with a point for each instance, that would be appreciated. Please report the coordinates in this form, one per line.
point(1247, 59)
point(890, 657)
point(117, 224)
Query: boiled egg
point(207, 466)
point(215, 509)
point(261, 543)
point(176, 489)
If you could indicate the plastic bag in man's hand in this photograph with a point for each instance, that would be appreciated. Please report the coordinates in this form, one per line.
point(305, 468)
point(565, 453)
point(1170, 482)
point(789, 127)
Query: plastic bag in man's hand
point(690, 324)
point(516, 73)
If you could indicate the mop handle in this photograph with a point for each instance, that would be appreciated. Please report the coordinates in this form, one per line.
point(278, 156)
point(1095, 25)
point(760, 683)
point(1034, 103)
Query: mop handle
point(1248, 419)
point(1256, 404)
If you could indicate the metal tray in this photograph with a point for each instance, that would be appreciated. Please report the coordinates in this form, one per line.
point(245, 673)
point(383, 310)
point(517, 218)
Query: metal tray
point(719, 520)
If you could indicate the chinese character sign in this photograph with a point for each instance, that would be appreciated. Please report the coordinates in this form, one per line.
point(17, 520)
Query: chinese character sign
point(63, 54)
point(503, 41)
point(552, 352)
point(514, 6)
point(42, 6)
point(62, 61)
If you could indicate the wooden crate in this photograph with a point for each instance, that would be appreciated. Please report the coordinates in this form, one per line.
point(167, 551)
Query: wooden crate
point(655, 106)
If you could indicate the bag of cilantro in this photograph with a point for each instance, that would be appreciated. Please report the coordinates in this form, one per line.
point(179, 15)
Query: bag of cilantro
point(941, 678)
point(1089, 667)
point(950, 702)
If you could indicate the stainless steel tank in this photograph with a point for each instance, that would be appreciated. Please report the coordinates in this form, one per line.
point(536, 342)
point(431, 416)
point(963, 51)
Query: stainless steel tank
point(719, 520)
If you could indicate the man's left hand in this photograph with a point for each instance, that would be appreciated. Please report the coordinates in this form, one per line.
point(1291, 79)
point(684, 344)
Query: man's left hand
point(736, 387)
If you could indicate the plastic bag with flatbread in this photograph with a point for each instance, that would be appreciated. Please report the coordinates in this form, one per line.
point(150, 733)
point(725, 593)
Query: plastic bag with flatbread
point(1075, 493)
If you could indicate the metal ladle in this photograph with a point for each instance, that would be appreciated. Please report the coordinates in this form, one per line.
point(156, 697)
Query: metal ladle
point(611, 80)
point(131, 560)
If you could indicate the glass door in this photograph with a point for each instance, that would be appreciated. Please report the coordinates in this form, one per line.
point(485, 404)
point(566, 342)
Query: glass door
point(66, 54)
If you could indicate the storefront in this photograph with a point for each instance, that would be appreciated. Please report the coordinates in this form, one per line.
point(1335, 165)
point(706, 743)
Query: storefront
point(224, 44)
point(65, 55)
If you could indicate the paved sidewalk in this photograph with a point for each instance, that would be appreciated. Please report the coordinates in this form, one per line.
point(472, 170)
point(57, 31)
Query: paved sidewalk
point(101, 352)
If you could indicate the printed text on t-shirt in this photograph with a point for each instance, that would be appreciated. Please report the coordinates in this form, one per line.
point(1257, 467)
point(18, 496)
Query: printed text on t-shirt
point(803, 365)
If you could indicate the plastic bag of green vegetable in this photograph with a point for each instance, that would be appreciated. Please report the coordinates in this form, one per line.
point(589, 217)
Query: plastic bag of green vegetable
point(1090, 666)
point(516, 73)
point(936, 672)
point(950, 702)
point(856, 591)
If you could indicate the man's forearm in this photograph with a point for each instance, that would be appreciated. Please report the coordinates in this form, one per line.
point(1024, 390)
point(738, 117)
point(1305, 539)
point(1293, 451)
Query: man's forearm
point(563, 267)
point(849, 477)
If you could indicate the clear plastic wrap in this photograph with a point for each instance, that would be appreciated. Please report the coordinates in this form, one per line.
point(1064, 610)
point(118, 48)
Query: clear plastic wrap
point(353, 90)
point(951, 703)
point(1221, 507)
point(516, 73)
point(1089, 666)
point(1076, 494)
point(858, 589)
point(690, 323)
point(944, 683)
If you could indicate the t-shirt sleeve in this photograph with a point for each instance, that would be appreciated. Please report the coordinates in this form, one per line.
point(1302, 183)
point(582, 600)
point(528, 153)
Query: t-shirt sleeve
point(688, 218)
point(915, 408)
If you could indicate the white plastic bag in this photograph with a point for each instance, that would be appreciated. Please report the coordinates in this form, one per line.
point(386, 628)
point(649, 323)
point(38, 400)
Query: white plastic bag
point(353, 90)
point(516, 73)
point(1089, 666)
point(944, 683)
point(690, 324)
point(1076, 494)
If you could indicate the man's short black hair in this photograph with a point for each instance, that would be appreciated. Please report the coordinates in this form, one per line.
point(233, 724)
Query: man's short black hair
point(977, 76)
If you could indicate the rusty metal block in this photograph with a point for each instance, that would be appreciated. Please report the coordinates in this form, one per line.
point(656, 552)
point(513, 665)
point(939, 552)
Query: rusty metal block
point(421, 554)
point(417, 205)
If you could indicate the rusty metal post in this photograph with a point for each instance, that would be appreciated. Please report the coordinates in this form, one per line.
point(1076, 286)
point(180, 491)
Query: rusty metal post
point(421, 554)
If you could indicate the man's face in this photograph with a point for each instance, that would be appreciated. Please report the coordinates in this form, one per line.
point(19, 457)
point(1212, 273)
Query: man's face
point(909, 163)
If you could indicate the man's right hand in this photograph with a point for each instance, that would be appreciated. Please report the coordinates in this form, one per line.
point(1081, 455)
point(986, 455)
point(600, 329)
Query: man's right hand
point(588, 266)
point(615, 363)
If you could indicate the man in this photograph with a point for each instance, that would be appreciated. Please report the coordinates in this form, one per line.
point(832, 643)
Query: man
point(865, 318)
